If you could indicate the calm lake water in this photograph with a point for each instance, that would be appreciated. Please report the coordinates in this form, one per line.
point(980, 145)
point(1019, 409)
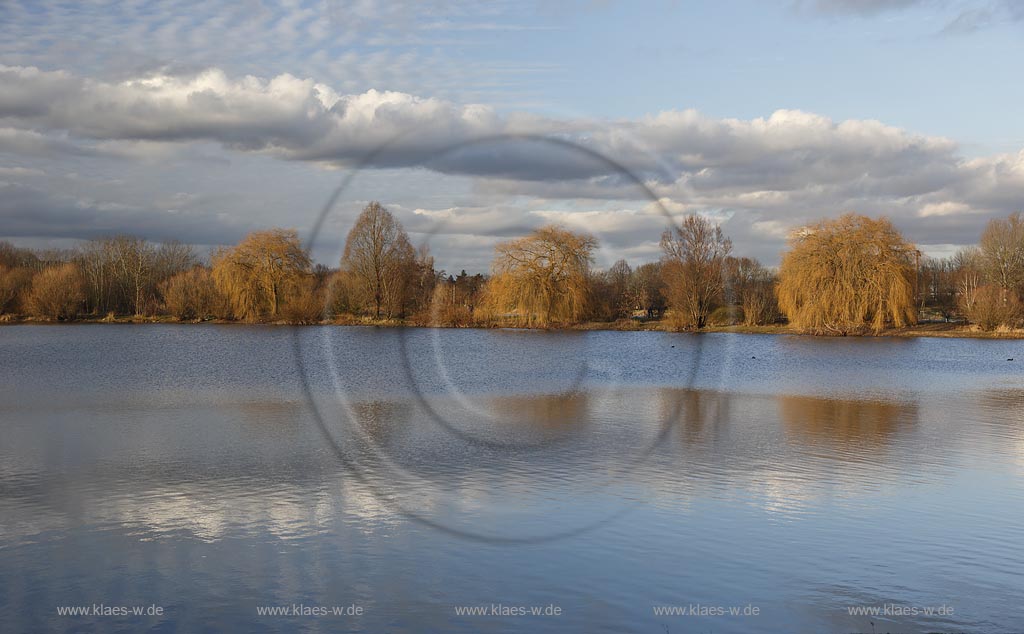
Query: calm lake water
point(413, 474)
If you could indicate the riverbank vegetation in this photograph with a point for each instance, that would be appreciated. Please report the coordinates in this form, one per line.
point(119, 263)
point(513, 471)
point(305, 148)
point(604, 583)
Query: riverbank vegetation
point(849, 275)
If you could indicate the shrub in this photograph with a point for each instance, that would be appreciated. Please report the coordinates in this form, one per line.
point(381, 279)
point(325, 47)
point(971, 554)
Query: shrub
point(13, 283)
point(58, 292)
point(192, 295)
point(726, 316)
point(994, 307)
point(306, 305)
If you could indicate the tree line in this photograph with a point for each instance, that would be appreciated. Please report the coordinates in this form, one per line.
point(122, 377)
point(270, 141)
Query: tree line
point(848, 275)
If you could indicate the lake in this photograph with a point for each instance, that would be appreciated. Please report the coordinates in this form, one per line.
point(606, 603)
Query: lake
point(267, 479)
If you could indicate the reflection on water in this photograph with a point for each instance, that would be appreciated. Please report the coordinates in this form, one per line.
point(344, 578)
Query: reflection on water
point(546, 415)
point(806, 483)
point(700, 413)
point(381, 420)
point(851, 427)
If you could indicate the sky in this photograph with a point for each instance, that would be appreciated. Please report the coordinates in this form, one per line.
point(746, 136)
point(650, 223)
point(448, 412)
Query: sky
point(475, 122)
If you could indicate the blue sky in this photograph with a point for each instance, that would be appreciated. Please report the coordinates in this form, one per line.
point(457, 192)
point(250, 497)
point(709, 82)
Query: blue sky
point(203, 121)
point(746, 59)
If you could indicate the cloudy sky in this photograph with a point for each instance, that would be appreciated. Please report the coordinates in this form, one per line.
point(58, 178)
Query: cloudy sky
point(476, 121)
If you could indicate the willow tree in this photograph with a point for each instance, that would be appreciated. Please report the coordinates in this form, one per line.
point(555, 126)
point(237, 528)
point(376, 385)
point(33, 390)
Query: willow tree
point(259, 274)
point(848, 275)
point(695, 253)
point(379, 259)
point(543, 277)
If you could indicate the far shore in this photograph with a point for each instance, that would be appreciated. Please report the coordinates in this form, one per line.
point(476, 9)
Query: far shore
point(928, 329)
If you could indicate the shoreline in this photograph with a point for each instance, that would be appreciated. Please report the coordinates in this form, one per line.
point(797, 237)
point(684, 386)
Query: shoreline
point(948, 330)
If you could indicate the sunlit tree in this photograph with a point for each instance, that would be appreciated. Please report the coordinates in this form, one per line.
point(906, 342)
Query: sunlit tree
point(992, 306)
point(57, 292)
point(693, 268)
point(307, 304)
point(192, 294)
point(848, 275)
point(999, 260)
point(543, 277)
point(258, 275)
point(379, 260)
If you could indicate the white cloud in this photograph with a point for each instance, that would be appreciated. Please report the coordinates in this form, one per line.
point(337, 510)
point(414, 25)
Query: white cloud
point(943, 209)
point(762, 176)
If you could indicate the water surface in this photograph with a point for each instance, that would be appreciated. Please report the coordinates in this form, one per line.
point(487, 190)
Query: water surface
point(415, 473)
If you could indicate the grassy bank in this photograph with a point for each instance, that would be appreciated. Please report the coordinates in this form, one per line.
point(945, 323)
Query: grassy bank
point(939, 329)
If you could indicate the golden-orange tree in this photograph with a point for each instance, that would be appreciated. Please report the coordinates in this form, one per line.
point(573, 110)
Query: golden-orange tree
point(848, 275)
point(542, 278)
point(261, 273)
point(192, 294)
point(57, 292)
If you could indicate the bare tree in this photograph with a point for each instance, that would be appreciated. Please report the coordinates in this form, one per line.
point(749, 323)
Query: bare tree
point(379, 258)
point(171, 258)
point(846, 275)
point(14, 257)
point(133, 260)
point(542, 278)
point(968, 278)
point(420, 279)
point(123, 273)
point(938, 286)
point(694, 257)
point(620, 278)
point(601, 299)
point(259, 274)
point(752, 287)
point(647, 290)
point(94, 261)
point(1002, 252)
